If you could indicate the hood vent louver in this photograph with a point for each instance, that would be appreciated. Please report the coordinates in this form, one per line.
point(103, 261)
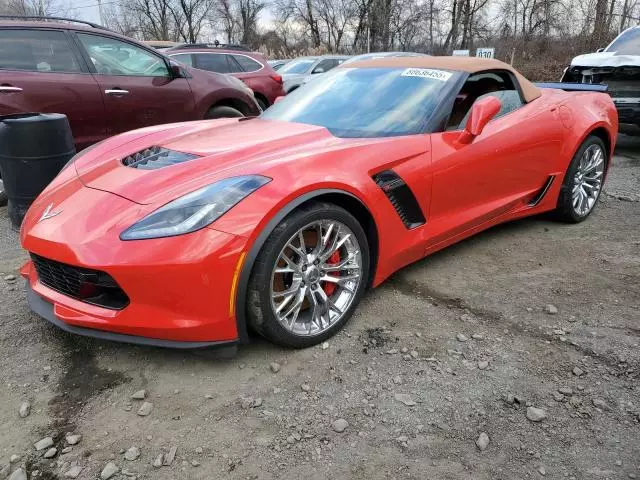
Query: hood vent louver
point(153, 158)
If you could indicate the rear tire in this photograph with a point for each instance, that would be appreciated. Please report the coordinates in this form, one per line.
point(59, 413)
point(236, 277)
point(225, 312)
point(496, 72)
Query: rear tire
point(583, 181)
point(319, 307)
point(222, 111)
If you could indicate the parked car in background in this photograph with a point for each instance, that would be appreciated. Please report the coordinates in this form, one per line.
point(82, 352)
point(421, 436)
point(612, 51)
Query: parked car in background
point(161, 45)
point(295, 72)
point(617, 66)
point(369, 56)
point(372, 55)
point(250, 67)
point(105, 83)
point(278, 64)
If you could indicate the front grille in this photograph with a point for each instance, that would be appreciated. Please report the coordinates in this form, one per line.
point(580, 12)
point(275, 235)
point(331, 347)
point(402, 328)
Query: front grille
point(90, 286)
point(153, 158)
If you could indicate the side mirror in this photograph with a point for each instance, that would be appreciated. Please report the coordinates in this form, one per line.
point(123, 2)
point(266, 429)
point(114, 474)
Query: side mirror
point(317, 70)
point(601, 49)
point(176, 71)
point(482, 112)
point(278, 99)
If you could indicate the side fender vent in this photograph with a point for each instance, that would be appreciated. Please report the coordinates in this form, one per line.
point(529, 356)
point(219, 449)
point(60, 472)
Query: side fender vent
point(540, 194)
point(153, 158)
point(401, 197)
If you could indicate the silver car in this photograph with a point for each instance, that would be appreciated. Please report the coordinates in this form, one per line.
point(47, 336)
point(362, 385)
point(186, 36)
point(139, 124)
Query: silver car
point(371, 56)
point(296, 71)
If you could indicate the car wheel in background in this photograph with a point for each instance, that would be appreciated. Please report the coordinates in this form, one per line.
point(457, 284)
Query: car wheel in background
point(309, 276)
point(222, 111)
point(263, 105)
point(583, 181)
point(3, 194)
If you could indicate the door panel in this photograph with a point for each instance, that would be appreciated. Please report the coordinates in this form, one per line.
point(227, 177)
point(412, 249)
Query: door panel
point(499, 171)
point(40, 72)
point(137, 88)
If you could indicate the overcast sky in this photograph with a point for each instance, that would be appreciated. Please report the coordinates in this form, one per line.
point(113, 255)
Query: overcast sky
point(88, 10)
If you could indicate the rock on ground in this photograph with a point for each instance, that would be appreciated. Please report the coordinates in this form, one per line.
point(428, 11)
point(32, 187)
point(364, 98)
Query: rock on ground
point(139, 395)
point(109, 470)
point(132, 454)
point(536, 414)
point(46, 442)
point(145, 409)
point(18, 474)
point(50, 453)
point(73, 472)
point(24, 410)
point(483, 441)
point(340, 425)
point(73, 439)
point(405, 399)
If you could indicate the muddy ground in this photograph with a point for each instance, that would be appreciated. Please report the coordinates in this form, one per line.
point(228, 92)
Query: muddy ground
point(415, 397)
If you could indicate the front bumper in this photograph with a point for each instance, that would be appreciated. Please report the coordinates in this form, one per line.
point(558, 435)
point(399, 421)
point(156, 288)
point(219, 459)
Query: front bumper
point(46, 310)
point(628, 110)
point(180, 289)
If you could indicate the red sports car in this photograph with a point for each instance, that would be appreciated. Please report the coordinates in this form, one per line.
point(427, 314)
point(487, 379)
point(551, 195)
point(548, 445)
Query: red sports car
point(187, 235)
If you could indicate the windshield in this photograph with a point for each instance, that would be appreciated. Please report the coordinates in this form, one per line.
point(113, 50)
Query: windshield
point(628, 43)
point(298, 66)
point(366, 102)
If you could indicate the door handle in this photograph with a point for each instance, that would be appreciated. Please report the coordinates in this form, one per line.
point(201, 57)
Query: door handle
point(8, 89)
point(117, 92)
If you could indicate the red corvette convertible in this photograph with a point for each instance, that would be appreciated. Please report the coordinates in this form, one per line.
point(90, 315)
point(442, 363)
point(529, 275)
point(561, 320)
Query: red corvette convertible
point(188, 235)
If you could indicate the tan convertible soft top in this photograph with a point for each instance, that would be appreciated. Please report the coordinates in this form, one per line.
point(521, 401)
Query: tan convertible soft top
point(460, 64)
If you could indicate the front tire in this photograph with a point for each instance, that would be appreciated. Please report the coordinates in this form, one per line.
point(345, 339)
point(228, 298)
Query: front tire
point(583, 181)
point(309, 276)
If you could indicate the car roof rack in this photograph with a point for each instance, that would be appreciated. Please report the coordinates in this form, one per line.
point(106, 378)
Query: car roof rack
point(48, 19)
point(216, 44)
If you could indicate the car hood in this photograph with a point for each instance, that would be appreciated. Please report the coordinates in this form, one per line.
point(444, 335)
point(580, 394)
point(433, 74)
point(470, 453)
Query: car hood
point(605, 59)
point(218, 149)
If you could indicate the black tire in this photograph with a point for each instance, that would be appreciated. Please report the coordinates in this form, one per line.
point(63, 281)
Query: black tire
point(263, 103)
point(222, 111)
point(565, 211)
point(3, 194)
point(260, 313)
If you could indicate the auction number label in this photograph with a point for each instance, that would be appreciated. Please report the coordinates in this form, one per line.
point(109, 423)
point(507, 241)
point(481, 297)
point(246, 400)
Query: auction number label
point(427, 73)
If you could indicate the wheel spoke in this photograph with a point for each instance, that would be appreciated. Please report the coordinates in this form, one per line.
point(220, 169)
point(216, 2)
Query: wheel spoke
point(340, 280)
point(285, 302)
point(294, 267)
point(293, 289)
point(297, 304)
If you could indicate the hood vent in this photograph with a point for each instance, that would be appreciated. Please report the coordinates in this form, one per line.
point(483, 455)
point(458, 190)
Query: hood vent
point(153, 158)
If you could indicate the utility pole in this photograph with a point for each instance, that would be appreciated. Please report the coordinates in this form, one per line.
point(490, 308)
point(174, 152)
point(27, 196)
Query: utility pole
point(368, 32)
point(101, 13)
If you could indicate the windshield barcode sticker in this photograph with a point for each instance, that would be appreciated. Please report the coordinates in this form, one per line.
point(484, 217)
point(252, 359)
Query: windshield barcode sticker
point(427, 73)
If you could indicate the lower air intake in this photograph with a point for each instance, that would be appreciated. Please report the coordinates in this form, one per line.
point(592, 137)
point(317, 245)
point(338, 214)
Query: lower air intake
point(89, 286)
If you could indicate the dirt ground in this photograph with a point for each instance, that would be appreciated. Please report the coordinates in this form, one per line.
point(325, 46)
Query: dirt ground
point(454, 346)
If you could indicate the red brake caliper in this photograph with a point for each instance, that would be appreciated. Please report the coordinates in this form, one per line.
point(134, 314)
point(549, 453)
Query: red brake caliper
point(329, 287)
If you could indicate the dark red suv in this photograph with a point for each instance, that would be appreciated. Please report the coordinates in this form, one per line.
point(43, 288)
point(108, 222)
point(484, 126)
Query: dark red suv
point(106, 83)
point(250, 67)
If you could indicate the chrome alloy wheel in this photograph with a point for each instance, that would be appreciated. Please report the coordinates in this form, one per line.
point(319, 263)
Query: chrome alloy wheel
point(587, 182)
point(316, 277)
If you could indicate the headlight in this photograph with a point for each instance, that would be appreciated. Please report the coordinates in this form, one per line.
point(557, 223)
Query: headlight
point(195, 210)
